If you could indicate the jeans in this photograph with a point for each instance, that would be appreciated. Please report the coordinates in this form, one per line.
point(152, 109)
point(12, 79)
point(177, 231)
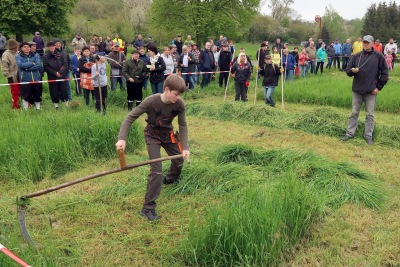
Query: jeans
point(268, 92)
point(289, 75)
point(345, 61)
point(188, 78)
point(357, 100)
point(311, 65)
point(336, 59)
point(330, 61)
point(68, 85)
point(157, 87)
point(196, 77)
point(115, 80)
point(303, 71)
point(206, 78)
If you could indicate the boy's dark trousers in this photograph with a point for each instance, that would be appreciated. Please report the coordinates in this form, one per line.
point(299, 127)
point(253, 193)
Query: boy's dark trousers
point(155, 178)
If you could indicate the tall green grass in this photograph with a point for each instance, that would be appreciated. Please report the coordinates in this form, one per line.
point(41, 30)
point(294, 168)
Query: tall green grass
point(35, 144)
point(256, 226)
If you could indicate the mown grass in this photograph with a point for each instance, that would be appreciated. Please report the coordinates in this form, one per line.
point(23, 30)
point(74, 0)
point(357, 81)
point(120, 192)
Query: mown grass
point(74, 225)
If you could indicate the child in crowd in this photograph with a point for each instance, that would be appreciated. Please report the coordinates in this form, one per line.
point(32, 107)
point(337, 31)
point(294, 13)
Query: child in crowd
point(389, 60)
point(394, 56)
point(276, 57)
point(85, 70)
point(99, 79)
point(271, 73)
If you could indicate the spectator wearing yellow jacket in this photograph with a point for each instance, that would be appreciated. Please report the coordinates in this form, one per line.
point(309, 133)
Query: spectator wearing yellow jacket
point(357, 46)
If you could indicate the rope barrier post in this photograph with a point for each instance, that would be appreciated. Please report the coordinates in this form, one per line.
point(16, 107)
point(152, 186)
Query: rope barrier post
point(229, 74)
point(283, 81)
point(258, 62)
point(13, 256)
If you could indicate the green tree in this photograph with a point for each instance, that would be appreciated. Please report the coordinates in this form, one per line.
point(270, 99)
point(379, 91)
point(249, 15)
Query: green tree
point(203, 19)
point(334, 24)
point(325, 35)
point(27, 16)
point(280, 8)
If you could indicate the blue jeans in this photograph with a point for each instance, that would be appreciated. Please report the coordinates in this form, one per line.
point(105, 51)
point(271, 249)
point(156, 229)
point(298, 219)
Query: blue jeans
point(311, 64)
point(188, 78)
point(157, 87)
point(115, 80)
point(196, 77)
point(303, 71)
point(268, 92)
point(289, 75)
point(69, 93)
point(330, 61)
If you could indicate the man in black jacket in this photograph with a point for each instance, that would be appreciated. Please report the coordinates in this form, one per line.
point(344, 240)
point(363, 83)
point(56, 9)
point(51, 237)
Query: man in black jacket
point(207, 64)
point(224, 63)
point(56, 66)
point(67, 59)
point(370, 74)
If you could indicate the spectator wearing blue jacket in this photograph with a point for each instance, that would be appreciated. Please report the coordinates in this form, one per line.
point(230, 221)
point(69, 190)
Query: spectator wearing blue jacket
point(288, 63)
point(29, 65)
point(346, 53)
point(75, 68)
point(338, 53)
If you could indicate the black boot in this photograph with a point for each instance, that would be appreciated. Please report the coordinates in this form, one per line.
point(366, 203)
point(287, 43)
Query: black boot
point(130, 104)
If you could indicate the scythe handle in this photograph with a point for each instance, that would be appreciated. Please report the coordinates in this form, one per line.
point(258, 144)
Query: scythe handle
point(122, 161)
point(100, 174)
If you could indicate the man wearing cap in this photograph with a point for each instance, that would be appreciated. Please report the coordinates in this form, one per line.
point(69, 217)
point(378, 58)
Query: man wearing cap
point(29, 65)
point(39, 44)
point(370, 74)
point(134, 70)
point(10, 70)
point(78, 41)
point(56, 66)
point(118, 59)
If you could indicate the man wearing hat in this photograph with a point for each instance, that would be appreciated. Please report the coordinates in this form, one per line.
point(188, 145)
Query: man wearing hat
point(263, 52)
point(56, 66)
point(10, 70)
point(118, 59)
point(39, 44)
point(370, 74)
point(78, 41)
point(3, 44)
point(29, 65)
point(134, 70)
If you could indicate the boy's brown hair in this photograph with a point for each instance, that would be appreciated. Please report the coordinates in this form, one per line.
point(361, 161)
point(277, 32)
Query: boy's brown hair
point(175, 83)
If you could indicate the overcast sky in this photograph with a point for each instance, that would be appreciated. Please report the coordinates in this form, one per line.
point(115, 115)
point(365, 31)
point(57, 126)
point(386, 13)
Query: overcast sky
point(348, 9)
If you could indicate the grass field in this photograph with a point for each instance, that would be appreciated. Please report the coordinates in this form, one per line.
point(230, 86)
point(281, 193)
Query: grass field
point(266, 186)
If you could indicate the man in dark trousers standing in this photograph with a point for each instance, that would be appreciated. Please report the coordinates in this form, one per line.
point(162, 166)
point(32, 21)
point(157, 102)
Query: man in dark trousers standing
point(370, 73)
point(207, 64)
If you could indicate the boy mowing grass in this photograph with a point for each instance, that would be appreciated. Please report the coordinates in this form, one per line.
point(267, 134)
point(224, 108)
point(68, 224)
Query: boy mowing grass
point(161, 109)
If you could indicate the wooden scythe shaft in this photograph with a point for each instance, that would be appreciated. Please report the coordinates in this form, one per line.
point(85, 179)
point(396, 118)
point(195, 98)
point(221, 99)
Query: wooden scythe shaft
point(100, 174)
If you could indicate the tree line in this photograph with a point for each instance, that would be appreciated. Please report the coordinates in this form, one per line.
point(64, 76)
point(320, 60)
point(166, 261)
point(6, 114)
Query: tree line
point(239, 20)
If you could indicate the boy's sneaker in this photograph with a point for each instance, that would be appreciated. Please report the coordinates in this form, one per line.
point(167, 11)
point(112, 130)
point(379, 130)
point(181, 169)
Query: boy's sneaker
point(346, 138)
point(369, 140)
point(149, 214)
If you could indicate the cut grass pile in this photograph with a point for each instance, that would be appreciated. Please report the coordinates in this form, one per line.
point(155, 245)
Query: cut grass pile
point(36, 144)
point(263, 217)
